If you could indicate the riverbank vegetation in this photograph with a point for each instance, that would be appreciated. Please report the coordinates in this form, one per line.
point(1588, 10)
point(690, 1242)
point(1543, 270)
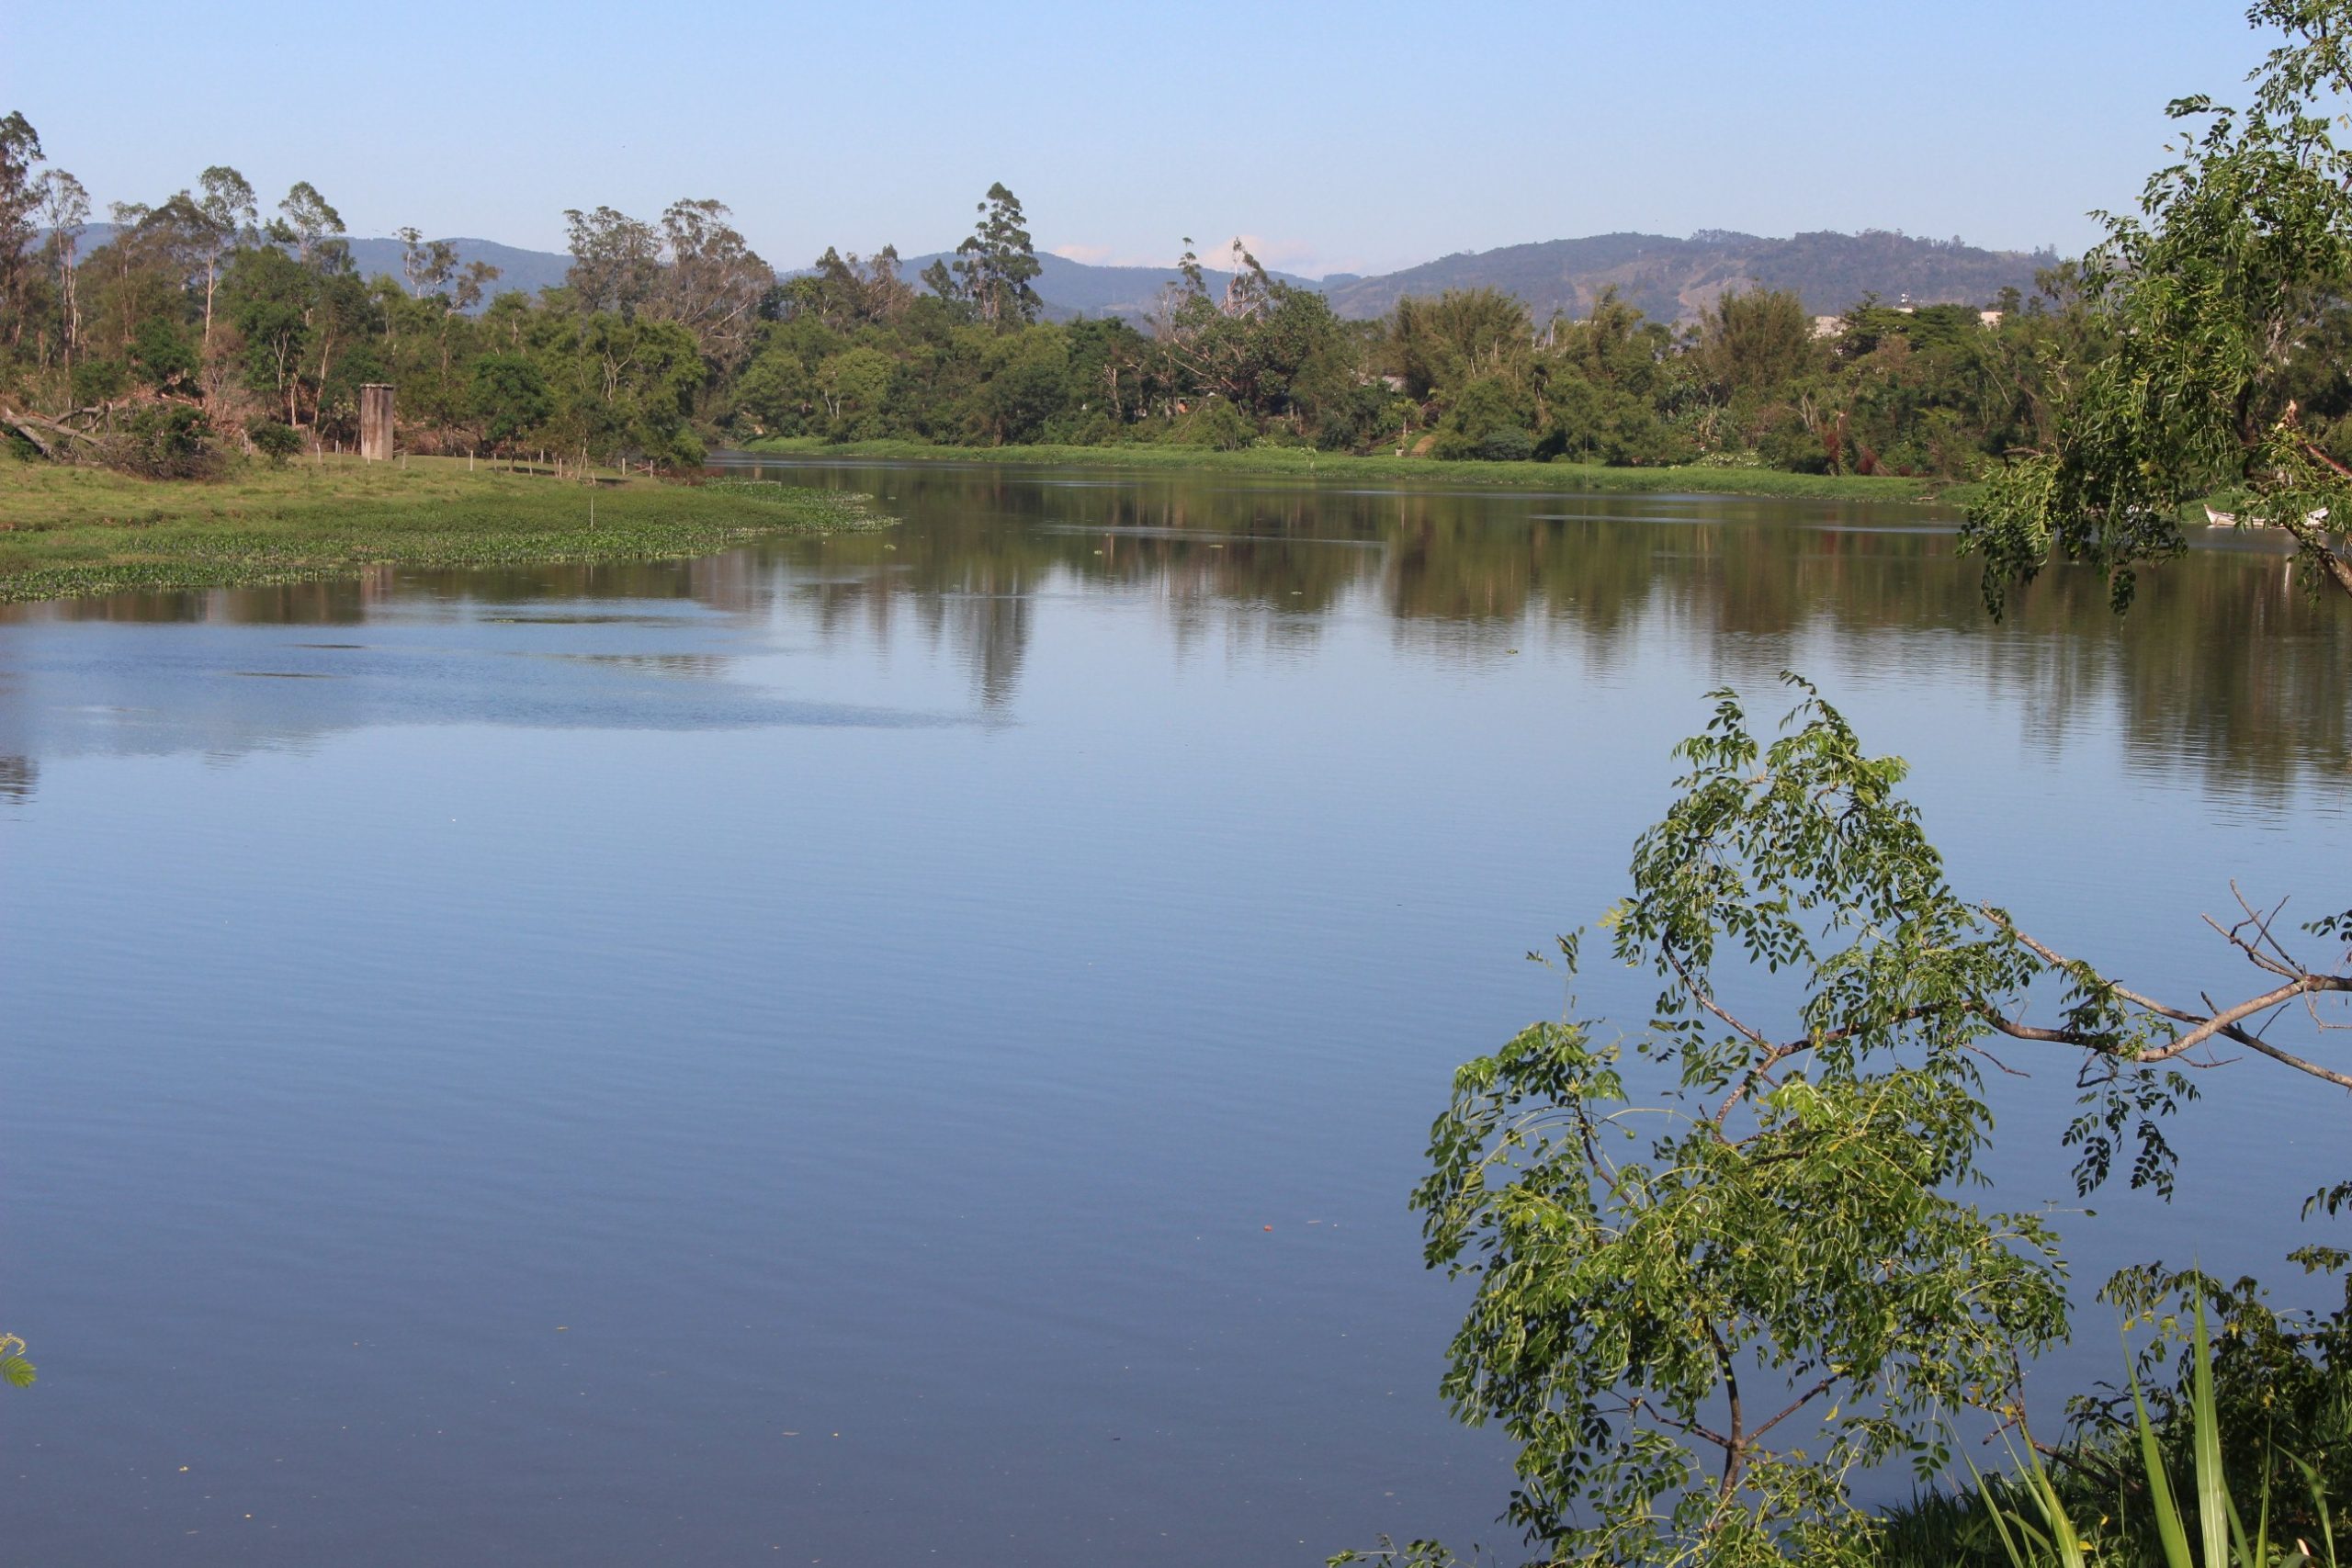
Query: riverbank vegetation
point(71, 531)
point(201, 326)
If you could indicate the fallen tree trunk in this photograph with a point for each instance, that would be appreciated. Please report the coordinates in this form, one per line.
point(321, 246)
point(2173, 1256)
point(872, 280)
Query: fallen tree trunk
point(31, 426)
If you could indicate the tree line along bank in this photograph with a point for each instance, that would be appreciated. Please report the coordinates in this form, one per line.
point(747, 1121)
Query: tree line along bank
point(201, 325)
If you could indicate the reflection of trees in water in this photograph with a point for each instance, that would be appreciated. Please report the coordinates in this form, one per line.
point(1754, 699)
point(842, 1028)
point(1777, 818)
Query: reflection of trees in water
point(344, 600)
point(2224, 660)
point(982, 556)
point(2224, 664)
point(968, 587)
point(726, 582)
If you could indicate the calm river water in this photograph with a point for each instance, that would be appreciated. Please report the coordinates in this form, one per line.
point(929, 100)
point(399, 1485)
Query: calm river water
point(912, 1047)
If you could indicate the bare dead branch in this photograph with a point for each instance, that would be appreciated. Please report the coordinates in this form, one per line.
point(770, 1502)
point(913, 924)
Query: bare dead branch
point(1699, 994)
point(1807, 1397)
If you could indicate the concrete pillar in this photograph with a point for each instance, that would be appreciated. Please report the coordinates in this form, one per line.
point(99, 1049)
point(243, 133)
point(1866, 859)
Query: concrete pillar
point(375, 422)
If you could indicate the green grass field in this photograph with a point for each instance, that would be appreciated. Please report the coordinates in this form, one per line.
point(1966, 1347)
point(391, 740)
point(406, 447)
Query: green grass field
point(1292, 462)
point(70, 532)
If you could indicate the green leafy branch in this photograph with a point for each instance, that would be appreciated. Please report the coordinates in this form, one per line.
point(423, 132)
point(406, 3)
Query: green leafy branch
point(1699, 1310)
point(2208, 300)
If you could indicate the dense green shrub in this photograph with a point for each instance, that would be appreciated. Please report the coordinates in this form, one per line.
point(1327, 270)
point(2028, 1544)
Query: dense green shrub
point(1508, 444)
point(1360, 417)
point(1216, 424)
point(97, 382)
point(166, 441)
point(275, 441)
point(1487, 409)
point(163, 355)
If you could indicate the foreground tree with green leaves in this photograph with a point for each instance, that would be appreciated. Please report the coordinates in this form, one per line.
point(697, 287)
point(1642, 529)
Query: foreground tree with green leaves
point(1724, 1267)
point(1718, 1275)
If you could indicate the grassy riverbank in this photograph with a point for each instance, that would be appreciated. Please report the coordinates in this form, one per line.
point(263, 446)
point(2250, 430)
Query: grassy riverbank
point(1292, 462)
point(67, 532)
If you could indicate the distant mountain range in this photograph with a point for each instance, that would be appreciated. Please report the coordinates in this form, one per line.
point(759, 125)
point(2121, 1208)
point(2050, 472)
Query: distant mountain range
point(1076, 288)
point(1674, 280)
point(529, 271)
point(1668, 279)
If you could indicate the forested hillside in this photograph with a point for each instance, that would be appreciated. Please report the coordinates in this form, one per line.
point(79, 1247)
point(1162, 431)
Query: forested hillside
point(1675, 280)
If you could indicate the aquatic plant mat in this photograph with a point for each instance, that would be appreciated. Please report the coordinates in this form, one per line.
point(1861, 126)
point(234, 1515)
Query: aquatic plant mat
point(72, 532)
point(1298, 462)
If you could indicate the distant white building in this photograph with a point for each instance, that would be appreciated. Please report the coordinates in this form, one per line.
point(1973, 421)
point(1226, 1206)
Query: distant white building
point(1830, 326)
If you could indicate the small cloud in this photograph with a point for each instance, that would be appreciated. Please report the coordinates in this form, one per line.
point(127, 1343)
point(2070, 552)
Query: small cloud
point(1107, 255)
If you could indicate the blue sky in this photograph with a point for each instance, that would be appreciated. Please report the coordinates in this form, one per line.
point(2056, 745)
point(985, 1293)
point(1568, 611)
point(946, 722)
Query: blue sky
point(1357, 137)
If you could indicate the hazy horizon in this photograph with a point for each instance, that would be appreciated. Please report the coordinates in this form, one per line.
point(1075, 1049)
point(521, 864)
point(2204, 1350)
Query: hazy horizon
point(1334, 140)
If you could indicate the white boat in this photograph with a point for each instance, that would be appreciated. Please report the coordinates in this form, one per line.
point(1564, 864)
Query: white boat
point(2315, 517)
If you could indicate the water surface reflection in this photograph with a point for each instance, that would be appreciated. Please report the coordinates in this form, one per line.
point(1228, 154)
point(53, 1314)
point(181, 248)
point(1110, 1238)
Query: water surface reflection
point(914, 1044)
point(2226, 665)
